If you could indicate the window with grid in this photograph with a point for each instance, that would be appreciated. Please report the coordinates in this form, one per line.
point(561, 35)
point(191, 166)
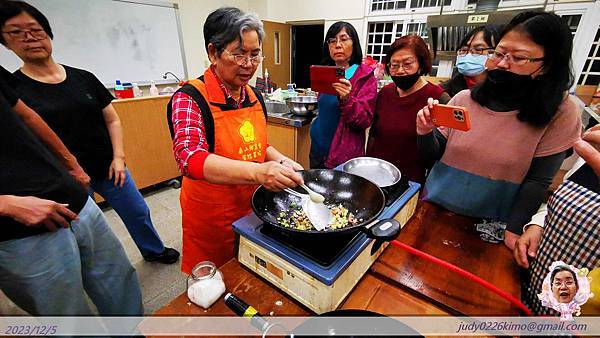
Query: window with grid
point(382, 34)
point(399, 29)
point(386, 5)
point(573, 22)
point(591, 70)
point(418, 28)
point(428, 3)
point(379, 39)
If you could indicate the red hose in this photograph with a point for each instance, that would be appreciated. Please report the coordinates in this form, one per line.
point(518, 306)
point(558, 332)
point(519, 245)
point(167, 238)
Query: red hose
point(466, 274)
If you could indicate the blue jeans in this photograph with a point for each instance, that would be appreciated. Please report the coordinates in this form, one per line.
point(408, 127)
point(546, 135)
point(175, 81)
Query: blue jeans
point(49, 274)
point(131, 207)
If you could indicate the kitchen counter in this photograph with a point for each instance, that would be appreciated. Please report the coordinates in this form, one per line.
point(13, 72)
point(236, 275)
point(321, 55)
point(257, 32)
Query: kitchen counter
point(146, 139)
point(288, 119)
point(290, 134)
point(398, 283)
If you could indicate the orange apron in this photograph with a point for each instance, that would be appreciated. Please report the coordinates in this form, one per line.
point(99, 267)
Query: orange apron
point(208, 210)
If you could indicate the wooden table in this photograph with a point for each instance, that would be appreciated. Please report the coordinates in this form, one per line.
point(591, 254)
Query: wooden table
point(398, 283)
point(452, 238)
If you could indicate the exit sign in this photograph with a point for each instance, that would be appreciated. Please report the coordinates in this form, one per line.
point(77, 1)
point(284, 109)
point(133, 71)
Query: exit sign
point(482, 18)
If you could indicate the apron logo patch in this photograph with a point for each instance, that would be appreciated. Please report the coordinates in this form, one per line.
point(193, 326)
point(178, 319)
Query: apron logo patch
point(246, 131)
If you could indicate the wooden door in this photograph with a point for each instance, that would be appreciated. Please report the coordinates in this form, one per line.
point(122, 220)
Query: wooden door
point(276, 49)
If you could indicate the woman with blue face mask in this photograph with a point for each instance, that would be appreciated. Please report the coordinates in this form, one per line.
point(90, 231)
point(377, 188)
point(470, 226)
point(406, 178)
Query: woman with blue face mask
point(471, 58)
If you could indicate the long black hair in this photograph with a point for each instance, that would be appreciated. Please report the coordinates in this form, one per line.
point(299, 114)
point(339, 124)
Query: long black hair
point(491, 35)
point(10, 9)
point(357, 54)
point(548, 90)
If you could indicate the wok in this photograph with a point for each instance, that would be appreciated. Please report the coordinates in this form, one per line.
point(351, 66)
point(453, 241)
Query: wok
point(360, 196)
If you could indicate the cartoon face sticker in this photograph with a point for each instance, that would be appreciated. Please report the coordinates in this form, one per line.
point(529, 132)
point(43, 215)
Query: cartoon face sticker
point(246, 131)
point(564, 285)
point(565, 289)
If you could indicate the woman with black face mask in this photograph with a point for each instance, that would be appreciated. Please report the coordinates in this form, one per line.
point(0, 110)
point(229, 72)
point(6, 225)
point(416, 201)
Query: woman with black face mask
point(523, 122)
point(407, 60)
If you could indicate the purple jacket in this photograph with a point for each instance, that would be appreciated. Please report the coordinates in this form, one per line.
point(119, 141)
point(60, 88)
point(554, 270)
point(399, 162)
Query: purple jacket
point(356, 115)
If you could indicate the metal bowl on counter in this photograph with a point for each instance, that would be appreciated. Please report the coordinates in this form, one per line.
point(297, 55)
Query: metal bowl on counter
point(302, 105)
point(276, 107)
point(376, 170)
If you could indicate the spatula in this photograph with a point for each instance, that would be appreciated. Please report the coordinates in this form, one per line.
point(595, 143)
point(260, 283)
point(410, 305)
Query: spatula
point(318, 213)
point(315, 197)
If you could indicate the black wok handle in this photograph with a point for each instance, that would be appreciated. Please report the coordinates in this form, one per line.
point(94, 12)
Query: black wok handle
point(382, 231)
point(385, 229)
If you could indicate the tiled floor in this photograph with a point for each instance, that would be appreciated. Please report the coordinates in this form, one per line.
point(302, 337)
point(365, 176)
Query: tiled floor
point(160, 283)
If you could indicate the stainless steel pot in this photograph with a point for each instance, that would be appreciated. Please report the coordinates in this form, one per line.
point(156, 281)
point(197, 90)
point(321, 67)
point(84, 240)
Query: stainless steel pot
point(302, 105)
point(376, 170)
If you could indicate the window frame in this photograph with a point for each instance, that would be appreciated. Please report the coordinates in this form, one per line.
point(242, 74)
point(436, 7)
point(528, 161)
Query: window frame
point(586, 72)
point(399, 28)
point(387, 5)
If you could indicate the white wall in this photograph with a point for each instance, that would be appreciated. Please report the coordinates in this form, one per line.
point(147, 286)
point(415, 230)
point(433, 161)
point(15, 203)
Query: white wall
point(292, 10)
point(193, 14)
point(328, 12)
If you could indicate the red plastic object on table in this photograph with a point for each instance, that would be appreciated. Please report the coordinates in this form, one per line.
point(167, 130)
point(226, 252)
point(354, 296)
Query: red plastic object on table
point(124, 93)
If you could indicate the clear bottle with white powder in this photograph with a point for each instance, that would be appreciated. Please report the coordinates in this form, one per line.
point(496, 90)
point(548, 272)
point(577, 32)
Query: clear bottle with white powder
point(205, 285)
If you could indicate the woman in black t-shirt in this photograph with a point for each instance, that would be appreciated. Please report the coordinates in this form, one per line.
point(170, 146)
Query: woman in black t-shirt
point(45, 268)
point(41, 129)
point(77, 107)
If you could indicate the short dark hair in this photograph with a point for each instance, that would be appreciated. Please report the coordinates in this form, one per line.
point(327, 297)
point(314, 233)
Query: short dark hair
point(491, 35)
point(337, 27)
point(10, 8)
point(226, 24)
point(552, 33)
point(417, 45)
point(563, 268)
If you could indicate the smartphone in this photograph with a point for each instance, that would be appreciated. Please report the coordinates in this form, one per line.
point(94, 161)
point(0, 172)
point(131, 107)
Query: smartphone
point(451, 116)
point(322, 78)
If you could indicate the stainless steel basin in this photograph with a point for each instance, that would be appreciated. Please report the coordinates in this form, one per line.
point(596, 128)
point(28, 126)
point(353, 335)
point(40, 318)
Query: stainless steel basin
point(302, 105)
point(276, 107)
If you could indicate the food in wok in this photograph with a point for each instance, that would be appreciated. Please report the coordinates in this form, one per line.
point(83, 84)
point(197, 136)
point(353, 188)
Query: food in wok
point(296, 218)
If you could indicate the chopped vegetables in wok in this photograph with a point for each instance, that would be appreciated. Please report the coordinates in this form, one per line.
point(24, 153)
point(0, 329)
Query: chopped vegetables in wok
point(296, 218)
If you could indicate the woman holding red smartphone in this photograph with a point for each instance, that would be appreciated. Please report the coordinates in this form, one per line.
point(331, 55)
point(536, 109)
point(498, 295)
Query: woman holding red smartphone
point(522, 124)
point(394, 126)
point(338, 133)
